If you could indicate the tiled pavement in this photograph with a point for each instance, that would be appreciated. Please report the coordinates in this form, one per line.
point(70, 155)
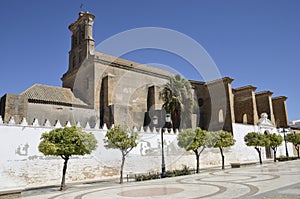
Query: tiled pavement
point(272, 180)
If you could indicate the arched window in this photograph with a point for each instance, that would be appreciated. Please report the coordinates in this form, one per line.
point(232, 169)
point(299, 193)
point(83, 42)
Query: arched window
point(200, 102)
point(245, 119)
point(221, 116)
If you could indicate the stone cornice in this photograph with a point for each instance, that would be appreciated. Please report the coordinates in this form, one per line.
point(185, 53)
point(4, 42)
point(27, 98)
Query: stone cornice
point(268, 93)
point(245, 88)
point(283, 98)
point(227, 80)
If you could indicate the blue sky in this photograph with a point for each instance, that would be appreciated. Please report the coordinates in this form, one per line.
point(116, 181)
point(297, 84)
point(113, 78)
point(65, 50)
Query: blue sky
point(255, 42)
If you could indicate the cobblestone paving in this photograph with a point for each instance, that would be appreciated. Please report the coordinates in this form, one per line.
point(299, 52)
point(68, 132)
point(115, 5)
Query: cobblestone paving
point(269, 181)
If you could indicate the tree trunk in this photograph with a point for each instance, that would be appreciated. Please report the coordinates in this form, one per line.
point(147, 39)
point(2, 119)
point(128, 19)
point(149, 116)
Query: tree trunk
point(223, 158)
point(274, 154)
point(176, 118)
point(297, 149)
point(62, 185)
point(259, 154)
point(121, 171)
point(197, 161)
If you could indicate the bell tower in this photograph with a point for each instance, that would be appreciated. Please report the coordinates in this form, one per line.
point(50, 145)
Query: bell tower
point(82, 44)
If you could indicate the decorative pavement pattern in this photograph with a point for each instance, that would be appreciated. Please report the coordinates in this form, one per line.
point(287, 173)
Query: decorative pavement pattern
point(267, 181)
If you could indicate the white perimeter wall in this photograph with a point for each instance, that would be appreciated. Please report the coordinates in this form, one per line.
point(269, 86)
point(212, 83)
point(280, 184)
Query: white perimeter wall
point(23, 166)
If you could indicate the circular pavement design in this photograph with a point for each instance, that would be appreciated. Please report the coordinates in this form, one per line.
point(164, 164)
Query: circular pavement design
point(270, 181)
point(150, 192)
point(173, 191)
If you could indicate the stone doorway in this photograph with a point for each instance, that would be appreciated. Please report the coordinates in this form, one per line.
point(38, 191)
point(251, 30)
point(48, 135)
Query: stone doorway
point(268, 149)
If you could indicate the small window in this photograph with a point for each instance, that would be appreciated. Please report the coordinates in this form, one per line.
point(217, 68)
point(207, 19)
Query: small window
point(245, 119)
point(200, 102)
point(87, 83)
point(221, 116)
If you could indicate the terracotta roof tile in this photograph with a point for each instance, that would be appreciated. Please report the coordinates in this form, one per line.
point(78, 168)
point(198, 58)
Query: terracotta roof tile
point(52, 94)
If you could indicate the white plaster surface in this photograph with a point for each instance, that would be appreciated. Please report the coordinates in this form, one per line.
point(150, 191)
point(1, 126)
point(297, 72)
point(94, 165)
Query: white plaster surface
point(23, 166)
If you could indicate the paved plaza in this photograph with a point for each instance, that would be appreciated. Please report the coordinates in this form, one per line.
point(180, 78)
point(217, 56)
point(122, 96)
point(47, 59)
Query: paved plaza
point(271, 180)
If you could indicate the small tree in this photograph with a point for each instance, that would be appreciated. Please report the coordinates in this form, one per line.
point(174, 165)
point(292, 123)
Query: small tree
point(273, 140)
point(193, 140)
point(120, 137)
point(295, 139)
point(222, 139)
point(257, 140)
point(65, 142)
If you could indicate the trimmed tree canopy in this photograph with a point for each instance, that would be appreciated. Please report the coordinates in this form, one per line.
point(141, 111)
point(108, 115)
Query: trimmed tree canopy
point(194, 140)
point(222, 139)
point(120, 137)
point(255, 139)
point(190, 139)
point(273, 140)
point(65, 142)
point(295, 139)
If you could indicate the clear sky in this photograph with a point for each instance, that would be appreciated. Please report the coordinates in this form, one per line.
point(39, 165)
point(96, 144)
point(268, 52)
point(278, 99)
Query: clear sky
point(255, 42)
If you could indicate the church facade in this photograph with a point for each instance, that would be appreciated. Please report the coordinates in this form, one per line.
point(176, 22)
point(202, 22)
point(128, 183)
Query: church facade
point(100, 89)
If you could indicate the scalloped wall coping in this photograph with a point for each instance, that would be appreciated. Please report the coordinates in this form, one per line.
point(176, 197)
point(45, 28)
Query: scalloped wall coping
point(57, 124)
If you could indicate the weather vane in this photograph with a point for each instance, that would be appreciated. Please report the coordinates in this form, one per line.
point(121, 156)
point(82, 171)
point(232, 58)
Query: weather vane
point(81, 6)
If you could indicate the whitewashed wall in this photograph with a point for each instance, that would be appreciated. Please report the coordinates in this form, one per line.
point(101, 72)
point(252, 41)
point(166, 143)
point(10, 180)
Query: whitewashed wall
point(23, 166)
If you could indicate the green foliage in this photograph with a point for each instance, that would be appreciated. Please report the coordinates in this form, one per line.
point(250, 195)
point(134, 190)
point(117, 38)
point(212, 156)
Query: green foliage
point(150, 176)
point(178, 172)
point(177, 89)
point(255, 139)
point(285, 158)
point(293, 138)
point(194, 140)
point(177, 100)
point(190, 139)
point(221, 139)
point(120, 137)
point(67, 141)
point(273, 140)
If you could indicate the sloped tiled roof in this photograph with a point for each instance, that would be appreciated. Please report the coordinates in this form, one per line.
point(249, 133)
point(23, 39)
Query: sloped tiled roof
point(52, 94)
